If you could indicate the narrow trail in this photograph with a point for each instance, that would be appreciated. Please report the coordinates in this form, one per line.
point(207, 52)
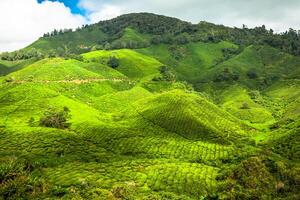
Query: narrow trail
point(74, 81)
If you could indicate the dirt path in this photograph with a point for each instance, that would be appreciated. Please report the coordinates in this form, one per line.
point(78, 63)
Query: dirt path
point(75, 81)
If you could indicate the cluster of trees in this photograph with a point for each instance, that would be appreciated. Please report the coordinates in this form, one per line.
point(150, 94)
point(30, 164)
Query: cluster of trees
point(227, 75)
point(16, 181)
point(177, 52)
point(57, 32)
point(33, 53)
point(165, 74)
point(21, 55)
point(179, 39)
point(249, 180)
point(259, 178)
point(230, 52)
point(129, 44)
point(288, 41)
point(144, 23)
point(56, 118)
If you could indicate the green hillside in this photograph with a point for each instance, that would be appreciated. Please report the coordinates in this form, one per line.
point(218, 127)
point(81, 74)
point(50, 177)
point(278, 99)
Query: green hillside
point(132, 64)
point(145, 106)
point(190, 116)
point(7, 67)
point(192, 60)
point(59, 69)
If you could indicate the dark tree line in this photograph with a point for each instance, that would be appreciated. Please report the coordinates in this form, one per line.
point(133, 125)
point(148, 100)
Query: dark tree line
point(21, 55)
point(56, 32)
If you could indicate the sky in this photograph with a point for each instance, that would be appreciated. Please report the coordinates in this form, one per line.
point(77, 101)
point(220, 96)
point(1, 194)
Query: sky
point(24, 21)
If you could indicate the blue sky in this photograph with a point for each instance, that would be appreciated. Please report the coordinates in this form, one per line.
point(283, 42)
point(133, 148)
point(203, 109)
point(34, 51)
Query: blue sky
point(72, 4)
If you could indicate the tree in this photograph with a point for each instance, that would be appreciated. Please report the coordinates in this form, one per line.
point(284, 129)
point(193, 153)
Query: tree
point(252, 74)
point(245, 106)
point(52, 54)
point(157, 39)
point(182, 39)
point(107, 46)
point(113, 62)
point(56, 119)
point(227, 75)
point(167, 74)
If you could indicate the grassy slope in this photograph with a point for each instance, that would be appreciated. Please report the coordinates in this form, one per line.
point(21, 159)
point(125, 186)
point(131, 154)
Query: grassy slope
point(195, 59)
point(79, 41)
point(235, 97)
point(54, 69)
point(268, 63)
point(288, 92)
point(17, 106)
point(101, 139)
point(7, 67)
point(132, 64)
point(130, 135)
point(59, 69)
point(131, 35)
point(100, 136)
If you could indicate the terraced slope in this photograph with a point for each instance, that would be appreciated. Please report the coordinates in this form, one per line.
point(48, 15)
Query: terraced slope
point(132, 64)
point(54, 70)
point(190, 116)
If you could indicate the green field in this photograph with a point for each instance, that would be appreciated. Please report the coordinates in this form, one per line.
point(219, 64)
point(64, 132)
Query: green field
point(169, 121)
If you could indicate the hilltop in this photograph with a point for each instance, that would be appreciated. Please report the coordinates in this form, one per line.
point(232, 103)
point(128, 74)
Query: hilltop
point(146, 106)
point(138, 30)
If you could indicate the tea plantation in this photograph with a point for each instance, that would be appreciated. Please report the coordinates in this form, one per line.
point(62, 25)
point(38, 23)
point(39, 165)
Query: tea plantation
point(156, 121)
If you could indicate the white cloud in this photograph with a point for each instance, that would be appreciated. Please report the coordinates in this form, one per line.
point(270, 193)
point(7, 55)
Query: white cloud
point(106, 12)
point(24, 21)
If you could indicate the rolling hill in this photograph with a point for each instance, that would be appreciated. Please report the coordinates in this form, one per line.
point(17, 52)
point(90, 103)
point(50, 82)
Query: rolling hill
point(145, 106)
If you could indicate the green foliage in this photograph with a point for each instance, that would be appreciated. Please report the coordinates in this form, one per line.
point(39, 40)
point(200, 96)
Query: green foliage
point(165, 74)
point(250, 179)
point(227, 75)
point(245, 106)
point(252, 74)
point(22, 55)
point(56, 119)
point(74, 57)
point(113, 62)
point(288, 146)
point(15, 181)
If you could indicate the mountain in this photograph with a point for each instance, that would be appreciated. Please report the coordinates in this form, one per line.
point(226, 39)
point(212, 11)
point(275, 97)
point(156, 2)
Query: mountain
point(146, 106)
